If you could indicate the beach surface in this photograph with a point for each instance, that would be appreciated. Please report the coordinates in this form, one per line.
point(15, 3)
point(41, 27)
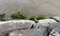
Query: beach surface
point(30, 7)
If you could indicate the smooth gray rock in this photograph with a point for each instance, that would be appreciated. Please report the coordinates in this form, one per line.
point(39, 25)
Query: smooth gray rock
point(46, 22)
point(49, 24)
point(41, 31)
point(23, 27)
point(36, 32)
point(8, 26)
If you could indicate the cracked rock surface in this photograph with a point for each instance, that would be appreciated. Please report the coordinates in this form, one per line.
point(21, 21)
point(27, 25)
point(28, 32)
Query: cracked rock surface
point(46, 27)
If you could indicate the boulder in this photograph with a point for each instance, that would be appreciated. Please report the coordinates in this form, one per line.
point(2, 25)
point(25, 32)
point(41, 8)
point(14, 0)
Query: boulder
point(8, 26)
point(36, 32)
point(46, 22)
point(24, 27)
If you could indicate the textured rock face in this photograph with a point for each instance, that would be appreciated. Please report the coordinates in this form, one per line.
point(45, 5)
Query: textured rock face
point(16, 24)
point(54, 33)
point(8, 26)
point(45, 22)
point(56, 18)
point(35, 32)
point(44, 27)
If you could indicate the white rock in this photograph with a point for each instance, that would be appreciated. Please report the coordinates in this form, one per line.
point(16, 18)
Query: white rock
point(46, 22)
point(36, 32)
point(56, 18)
point(16, 24)
point(8, 26)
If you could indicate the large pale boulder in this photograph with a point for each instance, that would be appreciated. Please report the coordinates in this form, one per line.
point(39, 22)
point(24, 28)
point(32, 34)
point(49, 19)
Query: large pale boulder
point(8, 26)
point(24, 27)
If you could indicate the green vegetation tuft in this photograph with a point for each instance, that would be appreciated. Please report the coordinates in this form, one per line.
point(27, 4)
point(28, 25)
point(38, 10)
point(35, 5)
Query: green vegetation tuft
point(41, 17)
point(2, 17)
point(33, 18)
point(21, 16)
point(2, 20)
point(18, 16)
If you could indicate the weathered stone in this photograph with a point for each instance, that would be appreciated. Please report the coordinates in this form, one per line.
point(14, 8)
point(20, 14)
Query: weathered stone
point(23, 27)
point(41, 31)
point(56, 18)
point(7, 26)
point(55, 29)
point(54, 33)
point(55, 26)
point(46, 22)
point(36, 32)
